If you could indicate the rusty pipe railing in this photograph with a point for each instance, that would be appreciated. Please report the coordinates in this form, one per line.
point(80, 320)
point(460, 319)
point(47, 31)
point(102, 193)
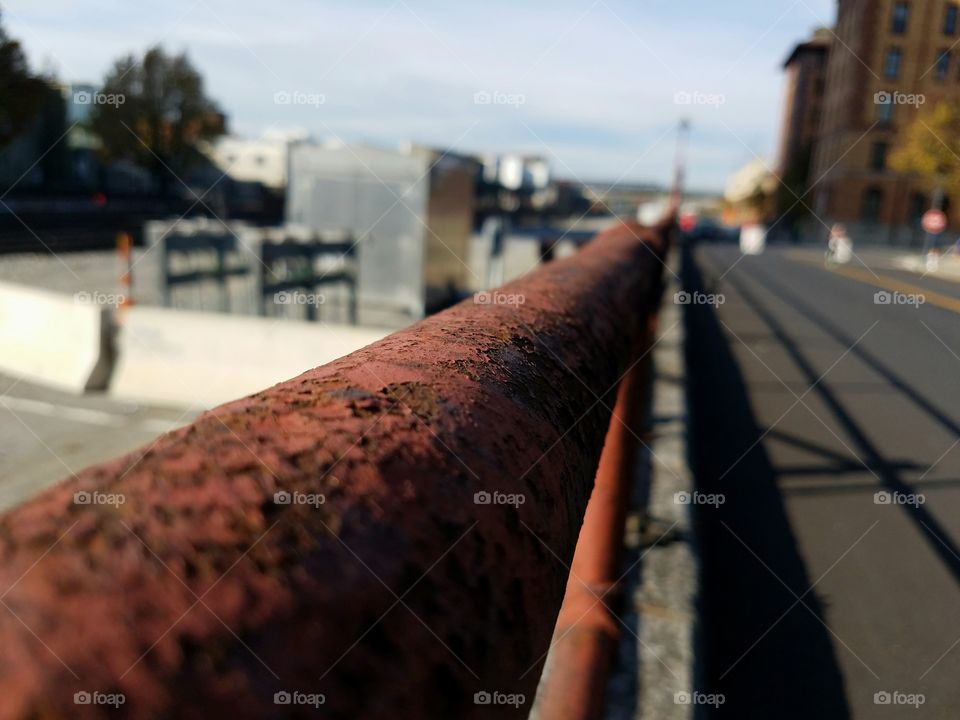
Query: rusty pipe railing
point(588, 629)
point(376, 535)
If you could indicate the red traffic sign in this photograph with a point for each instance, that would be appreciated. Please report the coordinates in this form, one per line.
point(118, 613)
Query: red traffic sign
point(934, 221)
point(688, 221)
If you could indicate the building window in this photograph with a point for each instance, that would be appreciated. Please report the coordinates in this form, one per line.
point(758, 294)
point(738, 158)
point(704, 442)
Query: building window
point(950, 20)
point(900, 13)
point(878, 156)
point(891, 63)
point(872, 201)
point(884, 108)
point(942, 65)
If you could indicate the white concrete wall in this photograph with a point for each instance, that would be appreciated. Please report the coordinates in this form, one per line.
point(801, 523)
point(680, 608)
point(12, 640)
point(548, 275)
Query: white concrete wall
point(50, 338)
point(192, 359)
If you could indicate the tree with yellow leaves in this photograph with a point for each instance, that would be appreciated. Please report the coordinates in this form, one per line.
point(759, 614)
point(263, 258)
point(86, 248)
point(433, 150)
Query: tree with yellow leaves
point(930, 150)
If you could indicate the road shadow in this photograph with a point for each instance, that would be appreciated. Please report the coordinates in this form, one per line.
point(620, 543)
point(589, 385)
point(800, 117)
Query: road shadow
point(927, 524)
point(767, 653)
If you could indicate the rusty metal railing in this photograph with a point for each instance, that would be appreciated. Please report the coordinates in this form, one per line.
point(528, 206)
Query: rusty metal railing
point(588, 628)
point(378, 537)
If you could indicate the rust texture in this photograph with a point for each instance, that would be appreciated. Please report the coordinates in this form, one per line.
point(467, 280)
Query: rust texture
point(588, 629)
point(398, 596)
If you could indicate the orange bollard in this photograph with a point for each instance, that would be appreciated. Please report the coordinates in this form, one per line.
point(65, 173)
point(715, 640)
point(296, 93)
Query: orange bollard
point(125, 256)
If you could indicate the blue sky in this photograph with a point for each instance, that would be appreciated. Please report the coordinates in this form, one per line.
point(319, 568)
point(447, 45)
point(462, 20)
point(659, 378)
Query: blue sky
point(594, 84)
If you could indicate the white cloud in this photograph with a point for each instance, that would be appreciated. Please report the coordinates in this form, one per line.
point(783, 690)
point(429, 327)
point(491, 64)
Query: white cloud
point(598, 80)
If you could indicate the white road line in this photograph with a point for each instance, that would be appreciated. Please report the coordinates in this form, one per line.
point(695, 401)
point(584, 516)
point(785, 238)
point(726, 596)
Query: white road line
point(85, 415)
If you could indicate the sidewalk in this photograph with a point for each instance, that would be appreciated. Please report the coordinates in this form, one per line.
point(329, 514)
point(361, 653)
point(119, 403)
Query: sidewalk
point(894, 258)
point(948, 268)
point(655, 676)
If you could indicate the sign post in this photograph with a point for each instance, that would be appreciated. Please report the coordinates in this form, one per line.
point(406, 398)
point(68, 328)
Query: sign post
point(934, 223)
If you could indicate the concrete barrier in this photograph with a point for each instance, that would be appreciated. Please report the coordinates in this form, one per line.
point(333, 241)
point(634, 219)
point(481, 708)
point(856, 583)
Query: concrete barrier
point(54, 339)
point(167, 357)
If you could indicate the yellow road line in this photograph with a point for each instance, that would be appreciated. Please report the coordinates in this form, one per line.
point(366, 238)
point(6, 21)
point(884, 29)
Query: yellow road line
point(883, 281)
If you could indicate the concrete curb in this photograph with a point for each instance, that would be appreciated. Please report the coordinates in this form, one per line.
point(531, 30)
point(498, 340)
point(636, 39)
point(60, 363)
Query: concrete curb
point(656, 673)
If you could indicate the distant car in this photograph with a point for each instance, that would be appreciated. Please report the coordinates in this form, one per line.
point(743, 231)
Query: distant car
point(707, 230)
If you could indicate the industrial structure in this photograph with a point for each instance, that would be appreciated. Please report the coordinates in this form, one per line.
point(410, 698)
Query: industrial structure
point(410, 210)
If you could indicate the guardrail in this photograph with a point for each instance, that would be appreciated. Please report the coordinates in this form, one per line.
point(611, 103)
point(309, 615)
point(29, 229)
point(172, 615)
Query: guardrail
point(383, 536)
point(221, 246)
point(300, 257)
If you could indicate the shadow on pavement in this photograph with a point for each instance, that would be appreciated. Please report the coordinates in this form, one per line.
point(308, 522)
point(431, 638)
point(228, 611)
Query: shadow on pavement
point(768, 654)
point(931, 529)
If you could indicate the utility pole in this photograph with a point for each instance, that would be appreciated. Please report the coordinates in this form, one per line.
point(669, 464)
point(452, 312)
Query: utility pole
point(680, 161)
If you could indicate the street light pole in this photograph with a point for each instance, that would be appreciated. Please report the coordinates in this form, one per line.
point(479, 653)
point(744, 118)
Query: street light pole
point(680, 161)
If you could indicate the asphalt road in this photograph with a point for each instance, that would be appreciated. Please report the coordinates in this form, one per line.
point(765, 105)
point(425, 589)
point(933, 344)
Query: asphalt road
point(820, 599)
point(47, 435)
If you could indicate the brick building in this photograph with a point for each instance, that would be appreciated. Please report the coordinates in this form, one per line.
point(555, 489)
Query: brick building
point(806, 72)
point(888, 58)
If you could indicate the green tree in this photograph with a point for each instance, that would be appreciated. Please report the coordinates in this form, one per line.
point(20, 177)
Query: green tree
point(154, 111)
point(930, 150)
point(21, 93)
